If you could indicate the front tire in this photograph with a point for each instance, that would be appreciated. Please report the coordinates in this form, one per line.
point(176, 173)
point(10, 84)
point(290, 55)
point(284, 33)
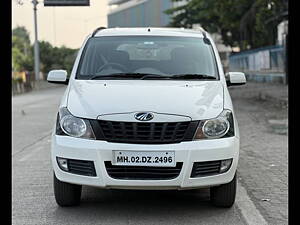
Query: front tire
point(66, 194)
point(224, 195)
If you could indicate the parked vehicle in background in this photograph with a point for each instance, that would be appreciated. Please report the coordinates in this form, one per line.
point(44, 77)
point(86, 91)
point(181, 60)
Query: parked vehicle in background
point(146, 108)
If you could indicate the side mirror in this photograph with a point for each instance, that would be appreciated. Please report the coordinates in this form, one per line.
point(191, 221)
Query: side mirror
point(235, 78)
point(58, 77)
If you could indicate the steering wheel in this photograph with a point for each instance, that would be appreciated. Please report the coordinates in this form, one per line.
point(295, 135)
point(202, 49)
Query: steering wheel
point(123, 68)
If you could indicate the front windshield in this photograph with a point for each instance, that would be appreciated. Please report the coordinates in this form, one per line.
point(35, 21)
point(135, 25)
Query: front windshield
point(156, 55)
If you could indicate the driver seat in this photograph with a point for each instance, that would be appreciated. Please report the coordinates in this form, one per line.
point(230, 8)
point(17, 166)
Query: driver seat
point(120, 57)
point(183, 60)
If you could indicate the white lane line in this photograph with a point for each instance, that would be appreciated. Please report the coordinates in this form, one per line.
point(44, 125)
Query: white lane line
point(248, 209)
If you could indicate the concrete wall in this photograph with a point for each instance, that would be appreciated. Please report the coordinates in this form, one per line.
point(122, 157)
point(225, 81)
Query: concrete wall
point(262, 65)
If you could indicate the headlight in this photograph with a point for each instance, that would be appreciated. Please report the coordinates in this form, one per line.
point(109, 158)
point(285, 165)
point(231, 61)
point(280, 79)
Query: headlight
point(67, 124)
point(222, 126)
point(215, 128)
point(73, 126)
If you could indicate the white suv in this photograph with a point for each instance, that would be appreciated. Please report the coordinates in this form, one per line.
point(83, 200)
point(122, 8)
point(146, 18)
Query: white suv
point(146, 108)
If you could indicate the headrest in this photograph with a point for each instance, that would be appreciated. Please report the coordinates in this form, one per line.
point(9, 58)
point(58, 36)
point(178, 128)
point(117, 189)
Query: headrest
point(182, 54)
point(118, 56)
point(187, 53)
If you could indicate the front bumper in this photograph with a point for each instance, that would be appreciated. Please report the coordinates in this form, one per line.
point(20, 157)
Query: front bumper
point(186, 152)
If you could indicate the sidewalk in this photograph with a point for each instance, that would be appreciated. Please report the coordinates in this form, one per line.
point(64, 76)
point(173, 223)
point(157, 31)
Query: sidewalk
point(261, 110)
point(271, 96)
point(35, 86)
point(276, 94)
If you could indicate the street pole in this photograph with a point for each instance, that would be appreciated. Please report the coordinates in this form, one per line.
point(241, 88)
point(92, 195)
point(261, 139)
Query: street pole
point(286, 60)
point(36, 44)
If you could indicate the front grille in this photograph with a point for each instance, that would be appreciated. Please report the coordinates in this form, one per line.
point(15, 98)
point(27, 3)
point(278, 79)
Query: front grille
point(144, 132)
point(143, 172)
point(81, 167)
point(206, 168)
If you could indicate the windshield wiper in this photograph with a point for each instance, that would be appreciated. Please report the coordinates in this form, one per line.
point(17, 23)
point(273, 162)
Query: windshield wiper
point(143, 76)
point(123, 75)
point(192, 76)
point(179, 76)
point(156, 76)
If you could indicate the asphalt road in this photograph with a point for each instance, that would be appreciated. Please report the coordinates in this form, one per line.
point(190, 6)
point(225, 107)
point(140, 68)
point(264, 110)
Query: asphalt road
point(33, 199)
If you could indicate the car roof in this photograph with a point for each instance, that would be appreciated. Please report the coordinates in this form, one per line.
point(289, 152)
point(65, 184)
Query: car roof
point(151, 31)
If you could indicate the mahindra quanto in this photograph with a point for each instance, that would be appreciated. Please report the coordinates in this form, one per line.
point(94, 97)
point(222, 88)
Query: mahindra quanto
point(146, 108)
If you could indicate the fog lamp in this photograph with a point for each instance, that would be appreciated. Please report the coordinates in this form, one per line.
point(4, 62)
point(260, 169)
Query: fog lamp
point(62, 163)
point(225, 165)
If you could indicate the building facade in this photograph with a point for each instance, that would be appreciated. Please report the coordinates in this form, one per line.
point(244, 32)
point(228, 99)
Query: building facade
point(139, 13)
point(150, 13)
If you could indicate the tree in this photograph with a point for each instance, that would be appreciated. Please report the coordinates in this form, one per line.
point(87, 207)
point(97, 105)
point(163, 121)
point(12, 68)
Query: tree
point(243, 23)
point(22, 52)
point(50, 57)
point(47, 58)
point(64, 58)
point(22, 33)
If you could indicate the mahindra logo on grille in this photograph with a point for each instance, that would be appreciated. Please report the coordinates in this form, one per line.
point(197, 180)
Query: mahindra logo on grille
point(144, 116)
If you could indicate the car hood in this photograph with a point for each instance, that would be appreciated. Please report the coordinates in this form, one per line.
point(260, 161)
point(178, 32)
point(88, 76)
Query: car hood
point(191, 100)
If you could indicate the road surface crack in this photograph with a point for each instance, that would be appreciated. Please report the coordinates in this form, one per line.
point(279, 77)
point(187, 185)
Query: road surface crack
point(27, 146)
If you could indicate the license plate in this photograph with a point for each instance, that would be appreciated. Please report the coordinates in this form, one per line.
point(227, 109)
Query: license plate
point(137, 158)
